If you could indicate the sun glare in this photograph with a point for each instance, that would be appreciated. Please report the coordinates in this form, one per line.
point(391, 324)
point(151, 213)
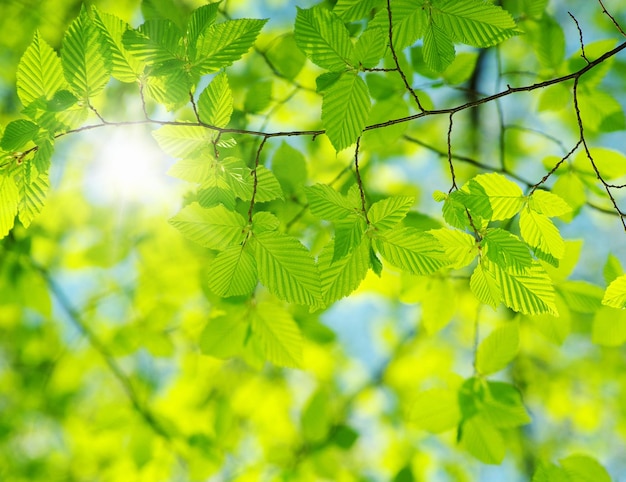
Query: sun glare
point(130, 168)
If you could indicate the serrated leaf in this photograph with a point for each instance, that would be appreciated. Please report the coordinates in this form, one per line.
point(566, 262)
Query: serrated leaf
point(498, 349)
point(529, 291)
point(580, 296)
point(326, 203)
point(612, 268)
point(348, 234)
point(125, 67)
point(323, 38)
point(341, 277)
point(225, 336)
point(540, 233)
point(506, 197)
point(350, 10)
point(279, 334)
point(85, 57)
point(474, 22)
point(548, 204)
point(264, 221)
point(460, 247)
point(201, 19)
point(385, 214)
point(157, 41)
point(483, 440)
point(193, 169)
point(39, 73)
point(436, 410)
point(411, 250)
point(370, 47)
point(409, 20)
point(345, 107)
point(18, 133)
point(438, 48)
point(615, 295)
point(506, 249)
point(215, 228)
point(233, 272)
point(182, 141)
point(268, 187)
point(287, 269)
point(9, 197)
point(485, 287)
point(215, 104)
point(32, 193)
point(225, 43)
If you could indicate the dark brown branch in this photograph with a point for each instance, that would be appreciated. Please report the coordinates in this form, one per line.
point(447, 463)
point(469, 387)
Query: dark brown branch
point(359, 181)
point(617, 25)
point(450, 163)
point(255, 178)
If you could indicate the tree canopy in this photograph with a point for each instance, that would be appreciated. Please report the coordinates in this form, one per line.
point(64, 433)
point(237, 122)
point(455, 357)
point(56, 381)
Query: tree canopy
point(352, 240)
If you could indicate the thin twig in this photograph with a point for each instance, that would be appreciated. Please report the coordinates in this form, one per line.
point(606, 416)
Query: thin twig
point(617, 25)
point(450, 163)
point(580, 36)
point(359, 181)
point(255, 177)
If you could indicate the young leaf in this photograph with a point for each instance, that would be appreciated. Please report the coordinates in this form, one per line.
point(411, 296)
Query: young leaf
point(584, 468)
point(474, 22)
point(86, 59)
point(268, 187)
point(9, 197)
point(345, 107)
point(482, 440)
point(484, 285)
point(351, 10)
point(503, 406)
point(226, 42)
point(39, 73)
point(326, 203)
point(385, 214)
point(279, 334)
point(506, 249)
point(201, 19)
point(157, 41)
point(340, 278)
point(460, 247)
point(264, 221)
point(436, 410)
point(409, 20)
point(289, 167)
point(609, 327)
point(323, 38)
point(32, 194)
point(612, 268)
point(615, 295)
point(498, 349)
point(506, 197)
point(540, 233)
point(411, 250)
point(125, 67)
point(548, 204)
point(371, 47)
point(348, 234)
point(225, 336)
point(215, 228)
point(183, 141)
point(287, 269)
point(233, 272)
point(438, 48)
point(17, 134)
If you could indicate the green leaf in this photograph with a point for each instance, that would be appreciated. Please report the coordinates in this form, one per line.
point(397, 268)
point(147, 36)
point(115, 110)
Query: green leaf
point(193, 169)
point(540, 233)
point(323, 38)
point(387, 213)
point(371, 47)
point(201, 19)
point(18, 134)
point(482, 440)
point(345, 107)
point(582, 468)
point(571, 189)
point(9, 197)
point(285, 56)
point(157, 41)
point(612, 268)
point(215, 228)
point(32, 194)
point(316, 419)
point(125, 67)
point(226, 42)
point(225, 336)
point(409, 20)
point(550, 473)
point(436, 410)
point(611, 163)
point(438, 48)
point(615, 295)
point(289, 167)
point(548, 41)
point(85, 57)
point(506, 197)
point(485, 287)
point(279, 334)
point(264, 221)
point(340, 278)
point(474, 22)
point(502, 406)
point(326, 203)
point(348, 234)
point(580, 296)
point(498, 349)
point(233, 272)
point(411, 250)
point(182, 141)
point(506, 249)
point(39, 73)
point(259, 97)
point(548, 204)
point(268, 187)
point(287, 269)
point(351, 10)
point(439, 304)
point(529, 291)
